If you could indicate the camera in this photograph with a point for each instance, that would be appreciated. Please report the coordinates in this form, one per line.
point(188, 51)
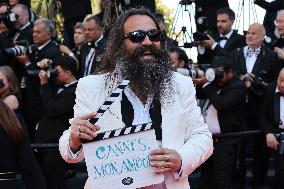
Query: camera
point(280, 139)
point(51, 72)
point(8, 16)
point(2, 83)
point(193, 73)
point(212, 74)
point(198, 36)
point(256, 84)
point(22, 48)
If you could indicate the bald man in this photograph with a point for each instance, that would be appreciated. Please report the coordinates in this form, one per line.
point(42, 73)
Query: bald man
point(257, 66)
point(271, 119)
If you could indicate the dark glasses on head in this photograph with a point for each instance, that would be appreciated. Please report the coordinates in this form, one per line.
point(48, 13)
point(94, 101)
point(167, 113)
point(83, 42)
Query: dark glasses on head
point(139, 36)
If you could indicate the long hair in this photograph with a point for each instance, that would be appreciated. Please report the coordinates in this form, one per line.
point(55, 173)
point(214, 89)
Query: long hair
point(116, 37)
point(10, 123)
point(12, 79)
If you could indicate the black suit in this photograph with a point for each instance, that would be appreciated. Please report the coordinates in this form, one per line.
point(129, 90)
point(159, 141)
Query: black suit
point(84, 51)
point(267, 62)
point(58, 109)
point(7, 41)
point(270, 15)
point(235, 41)
point(229, 103)
point(19, 158)
point(269, 120)
point(74, 11)
point(32, 107)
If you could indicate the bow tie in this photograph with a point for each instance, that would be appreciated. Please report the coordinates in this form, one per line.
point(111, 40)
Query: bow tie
point(222, 38)
point(253, 52)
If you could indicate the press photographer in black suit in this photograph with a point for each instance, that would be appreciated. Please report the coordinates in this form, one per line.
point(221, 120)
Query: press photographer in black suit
point(271, 117)
point(19, 33)
point(257, 66)
point(224, 113)
point(44, 48)
point(91, 53)
point(278, 44)
point(58, 105)
point(226, 39)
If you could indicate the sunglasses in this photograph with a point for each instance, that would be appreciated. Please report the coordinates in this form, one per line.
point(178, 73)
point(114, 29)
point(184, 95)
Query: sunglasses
point(139, 36)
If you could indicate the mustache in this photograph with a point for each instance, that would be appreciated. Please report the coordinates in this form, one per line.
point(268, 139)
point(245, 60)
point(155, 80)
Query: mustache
point(140, 51)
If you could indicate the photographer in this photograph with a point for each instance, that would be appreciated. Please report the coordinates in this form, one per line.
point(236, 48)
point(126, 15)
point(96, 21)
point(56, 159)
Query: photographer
point(20, 33)
point(271, 117)
point(257, 66)
point(45, 49)
point(223, 111)
point(58, 102)
point(226, 40)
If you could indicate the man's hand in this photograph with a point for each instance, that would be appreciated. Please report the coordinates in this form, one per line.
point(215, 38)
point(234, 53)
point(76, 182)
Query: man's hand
point(23, 59)
point(43, 77)
point(271, 141)
point(248, 78)
point(4, 9)
point(207, 43)
point(165, 160)
point(65, 49)
point(199, 81)
point(81, 128)
point(44, 63)
point(279, 52)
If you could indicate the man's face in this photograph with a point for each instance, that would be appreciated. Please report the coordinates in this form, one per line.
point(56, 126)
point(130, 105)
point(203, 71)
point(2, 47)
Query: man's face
point(62, 75)
point(254, 37)
point(22, 19)
point(221, 81)
point(40, 35)
point(280, 82)
point(79, 36)
point(145, 24)
point(92, 31)
point(175, 61)
point(280, 23)
point(13, 2)
point(224, 24)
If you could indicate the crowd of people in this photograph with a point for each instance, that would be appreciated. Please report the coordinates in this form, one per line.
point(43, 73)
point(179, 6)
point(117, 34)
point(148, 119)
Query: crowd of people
point(49, 91)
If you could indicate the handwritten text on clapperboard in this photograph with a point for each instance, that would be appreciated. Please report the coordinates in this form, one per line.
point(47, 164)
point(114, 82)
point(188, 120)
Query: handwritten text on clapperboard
point(122, 161)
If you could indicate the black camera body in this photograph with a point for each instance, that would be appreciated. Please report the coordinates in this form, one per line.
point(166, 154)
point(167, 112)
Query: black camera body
point(8, 17)
point(51, 72)
point(280, 139)
point(257, 84)
point(2, 83)
point(198, 36)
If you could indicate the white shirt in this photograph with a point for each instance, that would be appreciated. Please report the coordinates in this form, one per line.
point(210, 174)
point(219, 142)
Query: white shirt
point(90, 58)
point(281, 109)
point(250, 60)
point(42, 46)
point(223, 42)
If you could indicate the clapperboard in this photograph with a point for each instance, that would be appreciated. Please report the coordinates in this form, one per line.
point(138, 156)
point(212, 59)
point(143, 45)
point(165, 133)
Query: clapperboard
point(120, 158)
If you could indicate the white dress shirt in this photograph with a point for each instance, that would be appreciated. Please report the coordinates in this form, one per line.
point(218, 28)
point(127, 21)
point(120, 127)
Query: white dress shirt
point(281, 126)
point(250, 60)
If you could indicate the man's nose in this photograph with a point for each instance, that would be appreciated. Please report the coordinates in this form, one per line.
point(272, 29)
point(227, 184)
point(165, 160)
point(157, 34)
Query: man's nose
point(147, 41)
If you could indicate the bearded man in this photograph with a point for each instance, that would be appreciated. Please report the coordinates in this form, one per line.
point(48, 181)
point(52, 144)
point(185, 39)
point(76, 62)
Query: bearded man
point(136, 50)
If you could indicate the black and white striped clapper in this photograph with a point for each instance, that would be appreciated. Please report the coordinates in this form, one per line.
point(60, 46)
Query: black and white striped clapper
point(113, 96)
point(121, 132)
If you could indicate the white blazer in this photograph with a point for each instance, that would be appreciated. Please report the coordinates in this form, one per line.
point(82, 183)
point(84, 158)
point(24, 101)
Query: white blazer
point(183, 127)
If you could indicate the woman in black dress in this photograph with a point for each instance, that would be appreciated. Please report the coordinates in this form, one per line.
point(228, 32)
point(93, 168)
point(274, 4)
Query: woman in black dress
point(16, 153)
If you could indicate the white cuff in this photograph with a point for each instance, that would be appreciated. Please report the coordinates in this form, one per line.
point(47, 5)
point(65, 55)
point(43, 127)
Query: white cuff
point(214, 46)
point(71, 155)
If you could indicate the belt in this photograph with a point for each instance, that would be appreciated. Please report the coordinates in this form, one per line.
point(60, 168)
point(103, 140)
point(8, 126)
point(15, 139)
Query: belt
point(8, 176)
